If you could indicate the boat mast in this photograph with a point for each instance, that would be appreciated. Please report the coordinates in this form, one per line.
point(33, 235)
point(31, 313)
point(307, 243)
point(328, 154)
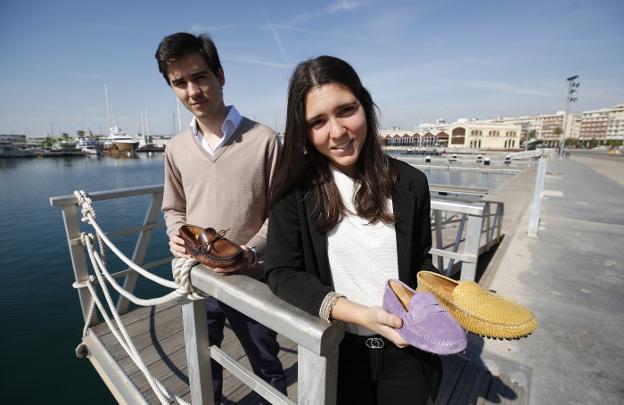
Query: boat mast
point(146, 123)
point(109, 107)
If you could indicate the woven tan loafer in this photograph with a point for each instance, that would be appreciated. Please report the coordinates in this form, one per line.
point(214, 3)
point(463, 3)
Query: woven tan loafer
point(478, 311)
point(210, 247)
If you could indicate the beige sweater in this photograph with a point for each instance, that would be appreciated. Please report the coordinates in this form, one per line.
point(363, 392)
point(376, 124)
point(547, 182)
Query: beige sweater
point(227, 190)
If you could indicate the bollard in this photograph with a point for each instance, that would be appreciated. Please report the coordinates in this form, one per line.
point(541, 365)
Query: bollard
point(534, 218)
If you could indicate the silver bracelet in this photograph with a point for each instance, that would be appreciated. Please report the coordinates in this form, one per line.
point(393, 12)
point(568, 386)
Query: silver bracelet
point(254, 256)
point(328, 304)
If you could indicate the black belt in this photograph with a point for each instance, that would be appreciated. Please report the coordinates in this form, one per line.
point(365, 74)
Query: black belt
point(374, 342)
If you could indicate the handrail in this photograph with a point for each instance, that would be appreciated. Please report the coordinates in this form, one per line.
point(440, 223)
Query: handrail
point(255, 300)
point(70, 199)
point(452, 189)
point(456, 206)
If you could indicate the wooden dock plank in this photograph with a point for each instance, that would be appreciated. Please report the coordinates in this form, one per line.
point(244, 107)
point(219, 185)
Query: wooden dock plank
point(133, 316)
point(146, 333)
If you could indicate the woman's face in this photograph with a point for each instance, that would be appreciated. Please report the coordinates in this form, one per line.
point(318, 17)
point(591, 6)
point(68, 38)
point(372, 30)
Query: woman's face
point(337, 125)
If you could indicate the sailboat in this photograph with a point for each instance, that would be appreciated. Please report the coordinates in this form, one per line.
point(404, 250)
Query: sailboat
point(118, 143)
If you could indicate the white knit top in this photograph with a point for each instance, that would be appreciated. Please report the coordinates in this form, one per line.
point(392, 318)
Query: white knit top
point(362, 256)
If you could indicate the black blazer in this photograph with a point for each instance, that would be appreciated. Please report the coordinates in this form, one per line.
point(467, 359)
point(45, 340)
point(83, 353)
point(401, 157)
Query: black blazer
point(297, 267)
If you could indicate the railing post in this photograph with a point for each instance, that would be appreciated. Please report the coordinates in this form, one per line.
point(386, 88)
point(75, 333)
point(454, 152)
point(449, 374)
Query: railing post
point(197, 349)
point(317, 377)
point(138, 256)
point(487, 224)
point(458, 239)
point(471, 247)
point(534, 218)
point(78, 258)
point(437, 214)
point(500, 212)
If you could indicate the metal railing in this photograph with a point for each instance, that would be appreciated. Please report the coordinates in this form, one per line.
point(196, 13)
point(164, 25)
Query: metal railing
point(317, 340)
point(459, 229)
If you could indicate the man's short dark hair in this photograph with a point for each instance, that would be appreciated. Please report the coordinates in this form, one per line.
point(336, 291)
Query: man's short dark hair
point(174, 46)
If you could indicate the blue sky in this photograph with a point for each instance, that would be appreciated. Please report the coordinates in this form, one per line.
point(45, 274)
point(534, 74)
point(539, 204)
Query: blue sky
point(421, 60)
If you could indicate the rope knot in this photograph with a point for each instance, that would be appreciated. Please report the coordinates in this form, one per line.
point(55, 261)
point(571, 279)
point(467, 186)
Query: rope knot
point(182, 278)
point(85, 202)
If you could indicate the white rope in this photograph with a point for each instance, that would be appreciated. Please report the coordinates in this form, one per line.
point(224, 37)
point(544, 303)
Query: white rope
point(89, 217)
point(181, 284)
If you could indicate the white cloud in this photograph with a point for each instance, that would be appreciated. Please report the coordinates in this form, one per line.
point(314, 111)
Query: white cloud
point(337, 6)
point(90, 76)
point(504, 87)
point(345, 5)
point(243, 59)
point(276, 36)
point(209, 29)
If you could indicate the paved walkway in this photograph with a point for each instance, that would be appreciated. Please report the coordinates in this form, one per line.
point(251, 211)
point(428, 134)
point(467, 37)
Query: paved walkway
point(572, 277)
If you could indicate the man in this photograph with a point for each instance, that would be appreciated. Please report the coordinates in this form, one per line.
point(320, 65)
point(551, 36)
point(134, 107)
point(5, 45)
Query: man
point(218, 174)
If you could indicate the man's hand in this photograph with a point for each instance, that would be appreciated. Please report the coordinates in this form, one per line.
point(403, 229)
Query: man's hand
point(241, 266)
point(176, 246)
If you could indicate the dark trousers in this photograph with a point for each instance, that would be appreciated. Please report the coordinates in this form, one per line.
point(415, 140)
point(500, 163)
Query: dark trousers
point(387, 375)
point(258, 341)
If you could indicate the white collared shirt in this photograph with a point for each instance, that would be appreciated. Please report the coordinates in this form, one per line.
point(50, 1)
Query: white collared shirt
point(230, 125)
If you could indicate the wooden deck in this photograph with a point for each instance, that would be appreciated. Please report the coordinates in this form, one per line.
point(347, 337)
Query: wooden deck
point(158, 336)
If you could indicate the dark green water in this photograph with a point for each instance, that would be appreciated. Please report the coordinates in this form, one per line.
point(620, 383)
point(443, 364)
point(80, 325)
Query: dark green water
point(39, 310)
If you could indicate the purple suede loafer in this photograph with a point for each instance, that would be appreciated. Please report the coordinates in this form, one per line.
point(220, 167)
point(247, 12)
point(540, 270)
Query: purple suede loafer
point(426, 324)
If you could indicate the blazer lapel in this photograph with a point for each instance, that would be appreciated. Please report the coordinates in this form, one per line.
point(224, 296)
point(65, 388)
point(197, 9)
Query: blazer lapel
point(319, 240)
point(404, 203)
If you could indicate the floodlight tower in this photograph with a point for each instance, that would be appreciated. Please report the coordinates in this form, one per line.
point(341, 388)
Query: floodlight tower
point(570, 98)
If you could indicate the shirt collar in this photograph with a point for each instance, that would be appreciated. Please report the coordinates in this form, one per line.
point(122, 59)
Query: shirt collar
point(230, 123)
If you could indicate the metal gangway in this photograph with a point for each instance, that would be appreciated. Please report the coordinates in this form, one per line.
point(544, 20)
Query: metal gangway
point(172, 338)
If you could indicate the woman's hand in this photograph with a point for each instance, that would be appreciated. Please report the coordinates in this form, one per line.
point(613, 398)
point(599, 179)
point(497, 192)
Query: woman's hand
point(385, 324)
point(373, 318)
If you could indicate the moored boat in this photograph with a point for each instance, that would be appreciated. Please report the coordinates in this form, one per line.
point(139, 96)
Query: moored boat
point(119, 143)
point(89, 147)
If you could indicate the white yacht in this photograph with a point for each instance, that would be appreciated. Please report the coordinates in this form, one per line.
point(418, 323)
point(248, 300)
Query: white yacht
point(89, 146)
point(120, 143)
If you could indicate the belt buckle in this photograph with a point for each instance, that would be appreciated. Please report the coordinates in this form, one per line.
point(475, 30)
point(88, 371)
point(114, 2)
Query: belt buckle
point(374, 343)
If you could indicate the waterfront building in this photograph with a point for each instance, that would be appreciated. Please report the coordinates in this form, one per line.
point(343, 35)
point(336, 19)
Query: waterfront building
point(13, 139)
point(615, 125)
point(484, 135)
point(601, 126)
point(594, 125)
point(462, 134)
point(546, 127)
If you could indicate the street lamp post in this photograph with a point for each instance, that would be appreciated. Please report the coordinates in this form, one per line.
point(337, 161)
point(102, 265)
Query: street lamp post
point(570, 98)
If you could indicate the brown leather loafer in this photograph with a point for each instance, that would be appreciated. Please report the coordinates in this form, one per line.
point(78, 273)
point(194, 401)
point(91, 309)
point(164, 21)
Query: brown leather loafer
point(210, 247)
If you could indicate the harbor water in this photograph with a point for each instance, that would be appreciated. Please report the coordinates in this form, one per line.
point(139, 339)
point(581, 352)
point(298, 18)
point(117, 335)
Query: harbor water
point(40, 311)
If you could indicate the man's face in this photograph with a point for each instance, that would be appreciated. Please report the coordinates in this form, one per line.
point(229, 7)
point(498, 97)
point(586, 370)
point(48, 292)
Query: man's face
point(196, 86)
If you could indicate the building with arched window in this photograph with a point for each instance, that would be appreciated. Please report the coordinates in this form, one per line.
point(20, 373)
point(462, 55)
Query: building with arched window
point(463, 134)
point(483, 135)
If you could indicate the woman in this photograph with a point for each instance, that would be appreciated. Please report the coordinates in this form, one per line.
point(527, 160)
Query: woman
point(346, 219)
